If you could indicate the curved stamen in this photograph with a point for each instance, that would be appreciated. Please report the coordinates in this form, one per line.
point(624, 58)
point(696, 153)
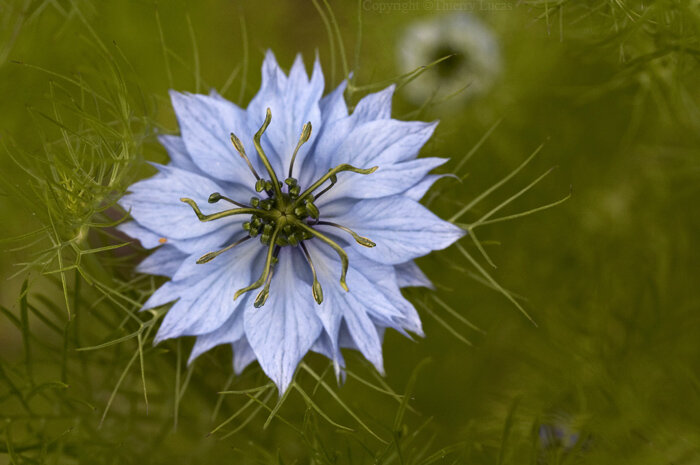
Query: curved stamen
point(216, 196)
point(263, 157)
point(359, 239)
point(305, 134)
point(334, 179)
point(338, 249)
point(330, 174)
point(215, 216)
point(241, 151)
point(266, 270)
point(265, 293)
point(207, 257)
point(316, 289)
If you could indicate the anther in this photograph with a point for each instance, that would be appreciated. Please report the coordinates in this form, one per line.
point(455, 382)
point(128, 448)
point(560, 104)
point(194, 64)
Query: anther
point(241, 151)
point(216, 196)
point(316, 289)
point(305, 134)
point(212, 255)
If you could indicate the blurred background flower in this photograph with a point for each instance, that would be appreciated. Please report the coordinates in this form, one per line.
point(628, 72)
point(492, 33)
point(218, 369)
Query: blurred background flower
point(469, 50)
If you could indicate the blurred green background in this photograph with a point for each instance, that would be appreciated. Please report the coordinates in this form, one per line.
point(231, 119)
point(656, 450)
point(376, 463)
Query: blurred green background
point(608, 375)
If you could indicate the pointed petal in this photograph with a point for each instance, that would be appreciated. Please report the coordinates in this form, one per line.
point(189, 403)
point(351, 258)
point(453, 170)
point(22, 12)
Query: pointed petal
point(333, 106)
point(206, 298)
point(293, 102)
point(228, 333)
point(387, 180)
point(402, 228)
point(283, 330)
point(243, 355)
point(163, 262)
point(375, 106)
point(155, 204)
point(179, 158)
point(324, 347)
point(206, 124)
point(409, 275)
point(145, 236)
point(383, 142)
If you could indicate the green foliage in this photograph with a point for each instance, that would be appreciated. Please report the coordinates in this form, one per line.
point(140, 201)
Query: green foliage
point(603, 89)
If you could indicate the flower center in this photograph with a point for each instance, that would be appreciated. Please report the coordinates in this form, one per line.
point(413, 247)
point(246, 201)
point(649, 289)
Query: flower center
point(282, 218)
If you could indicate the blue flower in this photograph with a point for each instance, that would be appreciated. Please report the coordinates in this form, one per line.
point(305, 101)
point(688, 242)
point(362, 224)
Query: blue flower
point(313, 208)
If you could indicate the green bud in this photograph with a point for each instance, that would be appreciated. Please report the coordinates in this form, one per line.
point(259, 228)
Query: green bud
point(215, 197)
point(312, 209)
point(260, 185)
point(254, 201)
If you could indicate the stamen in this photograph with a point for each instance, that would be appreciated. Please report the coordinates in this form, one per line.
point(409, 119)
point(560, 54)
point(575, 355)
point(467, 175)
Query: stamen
point(263, 157)
point(215, 197)
point(212, 255)
point(215, 216)
point(331, 173)
point(339, 250)
point(333, 179)
point(316, 287)
point(360, 239)
point(305, 134)
point(241, 151)
point(266, 270)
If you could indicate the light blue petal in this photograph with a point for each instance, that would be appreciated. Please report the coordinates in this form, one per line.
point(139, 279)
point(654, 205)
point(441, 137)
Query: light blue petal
point(383, 142)
point(177, 151)
point(418, 191)
point(155, 204)
point(409, 275)
point(359, 308)
point(337, 131)
point(145, 236)
point(402, 228)
point(166, 293)
point(206, 298)
point(243, 355)
point(227, 333)
point(375, 106)
point(283, 330)
point(387, 180)
point(163, 262)
point(333, 106)
point(324, 347)
point(293, 102)
point(205, 125)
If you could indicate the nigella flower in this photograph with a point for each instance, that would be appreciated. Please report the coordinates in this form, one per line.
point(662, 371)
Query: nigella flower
point(289, 226)
point(472, 68)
